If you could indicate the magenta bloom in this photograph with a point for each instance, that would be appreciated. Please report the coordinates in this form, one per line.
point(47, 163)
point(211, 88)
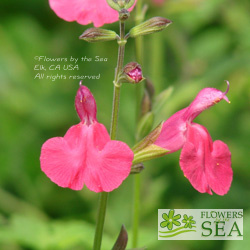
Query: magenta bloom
point(84, 12)
point(206, 164)
point(86, 155)
point(135, 74)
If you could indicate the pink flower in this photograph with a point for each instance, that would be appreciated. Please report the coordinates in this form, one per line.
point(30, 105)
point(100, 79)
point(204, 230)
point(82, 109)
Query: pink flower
point(86, 155)
point(84, 12)
point(206, 164)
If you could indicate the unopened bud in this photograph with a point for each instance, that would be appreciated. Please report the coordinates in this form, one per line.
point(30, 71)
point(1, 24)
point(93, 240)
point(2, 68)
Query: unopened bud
point(132, 73)
point(152, 25)
point(122, 240)
point(136, 169)
point(124, 15)
point(98, 35)
point(150, 152)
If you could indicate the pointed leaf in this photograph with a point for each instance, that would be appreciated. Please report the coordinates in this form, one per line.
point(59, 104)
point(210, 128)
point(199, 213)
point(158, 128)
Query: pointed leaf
point(122, 240)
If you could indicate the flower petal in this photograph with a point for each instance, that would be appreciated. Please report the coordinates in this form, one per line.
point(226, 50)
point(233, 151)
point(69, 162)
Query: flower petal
point(199, 159)
point(108, 168)
point(86, 155)
point(170, 225)
point(165, 216)
point(84, 11)
point(192, 159)
point(164, 223)
point(61, 158)
point(205, 99)
point(173, 133)
point(177, 217)
point(177, 223)
point(220, 173)
point(85, 105)
point(171, 214)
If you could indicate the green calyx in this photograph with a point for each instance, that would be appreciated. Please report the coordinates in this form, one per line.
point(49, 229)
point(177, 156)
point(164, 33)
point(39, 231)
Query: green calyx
point(152, 25)
point(98, 35)
point(120, 4)
point(146, 149)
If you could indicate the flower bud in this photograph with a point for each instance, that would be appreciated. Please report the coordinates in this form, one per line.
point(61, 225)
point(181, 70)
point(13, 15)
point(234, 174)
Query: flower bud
point(137, 168)
point(122, 240)
point(98, 35)
point(150, 152)
point(85, 105)
point(124, 15)
point(132, 73)
point(152, 25)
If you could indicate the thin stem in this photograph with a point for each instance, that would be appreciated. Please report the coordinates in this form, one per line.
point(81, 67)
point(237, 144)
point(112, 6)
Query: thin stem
point(113, 132)
point(138, 94)
point(139, 58)
point(136, 212)
point(116, 99)
point(100, 221)
point(117, 85)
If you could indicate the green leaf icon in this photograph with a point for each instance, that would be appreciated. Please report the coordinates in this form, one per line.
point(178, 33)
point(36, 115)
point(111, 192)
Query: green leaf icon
point(170, 220)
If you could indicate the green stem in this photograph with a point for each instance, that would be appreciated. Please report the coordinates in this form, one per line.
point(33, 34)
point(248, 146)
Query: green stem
point(138, 93)
point(136, 212)
point(113, 132)
point(116, 98)
point(100, 221)
point(117, 85)
point(139, 58)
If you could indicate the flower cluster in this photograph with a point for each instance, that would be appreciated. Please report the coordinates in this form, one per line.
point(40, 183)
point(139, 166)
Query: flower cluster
point(87, 155)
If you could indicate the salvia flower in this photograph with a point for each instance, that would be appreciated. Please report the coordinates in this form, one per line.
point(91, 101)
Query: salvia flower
point(206, 164)
point(84, 12)
point(86, 155)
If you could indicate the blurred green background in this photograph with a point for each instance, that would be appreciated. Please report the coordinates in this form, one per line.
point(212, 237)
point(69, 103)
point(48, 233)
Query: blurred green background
point(208, 42)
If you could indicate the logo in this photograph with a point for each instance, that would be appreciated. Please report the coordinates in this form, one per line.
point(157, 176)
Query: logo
point(200, 224)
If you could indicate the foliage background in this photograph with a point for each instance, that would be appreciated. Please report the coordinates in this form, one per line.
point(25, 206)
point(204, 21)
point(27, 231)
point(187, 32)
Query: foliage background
point(208, 42)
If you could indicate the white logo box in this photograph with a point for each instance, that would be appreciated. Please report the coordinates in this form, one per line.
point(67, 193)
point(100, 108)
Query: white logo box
point(200, 224)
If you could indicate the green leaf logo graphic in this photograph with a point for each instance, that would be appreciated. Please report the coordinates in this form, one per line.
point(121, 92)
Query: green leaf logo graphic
point(170, 220)
point(188, 221)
